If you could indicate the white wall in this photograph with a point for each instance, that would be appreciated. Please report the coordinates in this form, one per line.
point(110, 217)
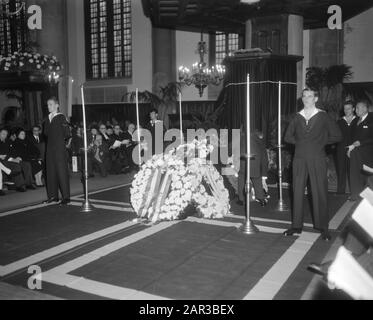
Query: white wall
point(186, 46)
point(142, 49)
point(358, 51)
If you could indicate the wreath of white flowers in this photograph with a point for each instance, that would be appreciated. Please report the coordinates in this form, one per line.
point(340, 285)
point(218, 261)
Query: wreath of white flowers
point(181, 185)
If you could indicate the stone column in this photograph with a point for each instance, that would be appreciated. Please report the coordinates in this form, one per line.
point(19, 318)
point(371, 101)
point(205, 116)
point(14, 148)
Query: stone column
point(295, 46)
point(164, 57)
point(248, 34)
point(164, 65)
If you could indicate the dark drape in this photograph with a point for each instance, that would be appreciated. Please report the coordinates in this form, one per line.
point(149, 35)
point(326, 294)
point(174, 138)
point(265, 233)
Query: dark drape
point(264, 97)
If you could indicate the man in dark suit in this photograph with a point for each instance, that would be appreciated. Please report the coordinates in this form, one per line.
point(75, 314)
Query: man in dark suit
point(258, 168)
point(57, 131)
point(361, 150)
point(311, 130)
point(343, 162)
point(157, 131)
point(37, 141)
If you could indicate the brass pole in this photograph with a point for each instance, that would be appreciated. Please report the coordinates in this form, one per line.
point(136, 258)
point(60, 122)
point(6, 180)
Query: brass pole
point(248, 227)
point(87, 207)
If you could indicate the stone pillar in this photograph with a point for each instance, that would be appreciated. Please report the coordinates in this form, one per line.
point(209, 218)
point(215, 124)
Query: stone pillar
point(248, 34)
point(295, 45)
point(326, 47)
point(164, 57)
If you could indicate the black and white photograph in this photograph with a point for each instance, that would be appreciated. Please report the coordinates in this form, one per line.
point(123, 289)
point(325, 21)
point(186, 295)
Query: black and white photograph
point(186, 156)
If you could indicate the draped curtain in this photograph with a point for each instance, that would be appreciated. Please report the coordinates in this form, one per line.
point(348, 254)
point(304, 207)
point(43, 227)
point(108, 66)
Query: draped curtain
point(264, 97)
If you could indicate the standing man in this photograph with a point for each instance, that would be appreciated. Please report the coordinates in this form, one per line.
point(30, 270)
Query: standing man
point(360, 151)
point(57, 131)
point(157, 131)
point(343, 162)
point(310, 131)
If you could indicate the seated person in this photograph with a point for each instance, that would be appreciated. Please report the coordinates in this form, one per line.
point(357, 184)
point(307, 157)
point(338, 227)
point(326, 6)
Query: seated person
point(118, 152)
point(28, 157)
point(109, 131)
point(103, 132)
point(130, 147)
point(77, 147)
point(99, 157)
point(37, 144)
point(12, 164)
point(6, 171)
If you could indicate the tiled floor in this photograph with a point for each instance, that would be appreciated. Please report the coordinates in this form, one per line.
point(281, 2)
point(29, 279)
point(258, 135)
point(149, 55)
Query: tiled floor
point(108, 255)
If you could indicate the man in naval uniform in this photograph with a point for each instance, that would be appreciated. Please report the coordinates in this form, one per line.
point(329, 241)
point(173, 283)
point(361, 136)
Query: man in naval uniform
point(310, 131)
point(57, 131)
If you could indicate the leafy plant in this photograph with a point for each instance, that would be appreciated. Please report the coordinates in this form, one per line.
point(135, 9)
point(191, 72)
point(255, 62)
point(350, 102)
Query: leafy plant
point(163, 102)
point(329, 83)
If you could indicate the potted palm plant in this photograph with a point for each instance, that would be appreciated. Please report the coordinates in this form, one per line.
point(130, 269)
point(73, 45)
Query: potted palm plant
point(165, 101)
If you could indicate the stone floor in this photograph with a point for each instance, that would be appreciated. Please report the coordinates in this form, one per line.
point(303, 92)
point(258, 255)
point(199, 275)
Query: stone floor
point(106, 254)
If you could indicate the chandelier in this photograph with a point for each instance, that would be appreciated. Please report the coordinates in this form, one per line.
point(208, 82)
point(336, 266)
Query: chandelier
point(201, 76)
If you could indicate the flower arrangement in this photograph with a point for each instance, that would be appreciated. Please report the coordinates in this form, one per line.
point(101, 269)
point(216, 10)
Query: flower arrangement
point(29, 61)
point(166, 185)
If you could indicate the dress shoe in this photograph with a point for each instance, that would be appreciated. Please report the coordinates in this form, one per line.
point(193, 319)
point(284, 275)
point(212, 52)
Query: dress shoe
point(2, 193)
point(317, 269)
point(326, 236)
point(262, 203)
point(49, 201)
point(31, 187)
point(21, 189)
point(292, 232)
point(65, 202)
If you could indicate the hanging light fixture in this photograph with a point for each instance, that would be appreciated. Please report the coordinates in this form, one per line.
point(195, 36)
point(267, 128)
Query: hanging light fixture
point(200, 75)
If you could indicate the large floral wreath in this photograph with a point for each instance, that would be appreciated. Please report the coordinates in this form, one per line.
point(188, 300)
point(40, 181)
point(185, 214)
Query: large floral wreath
point(166, 186)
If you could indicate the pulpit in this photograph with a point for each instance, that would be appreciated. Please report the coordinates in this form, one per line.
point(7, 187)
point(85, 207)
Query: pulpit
point(263, 96)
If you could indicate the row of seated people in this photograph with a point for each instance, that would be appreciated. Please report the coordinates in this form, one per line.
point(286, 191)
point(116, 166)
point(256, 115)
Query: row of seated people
point(21, 159)
point(109, 149)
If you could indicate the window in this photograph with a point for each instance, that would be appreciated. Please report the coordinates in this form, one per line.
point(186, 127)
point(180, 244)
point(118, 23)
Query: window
point(225, 44)
point(13, 28)
point(108, 39)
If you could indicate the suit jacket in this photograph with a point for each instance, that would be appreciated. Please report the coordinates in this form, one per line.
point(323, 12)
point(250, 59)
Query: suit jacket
point(346, 134)
point(39, 145)
point(5, 149)
point(310, 139)
point(57, 132)
point(24, 150)
point(364, 134)
point(154, 128)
